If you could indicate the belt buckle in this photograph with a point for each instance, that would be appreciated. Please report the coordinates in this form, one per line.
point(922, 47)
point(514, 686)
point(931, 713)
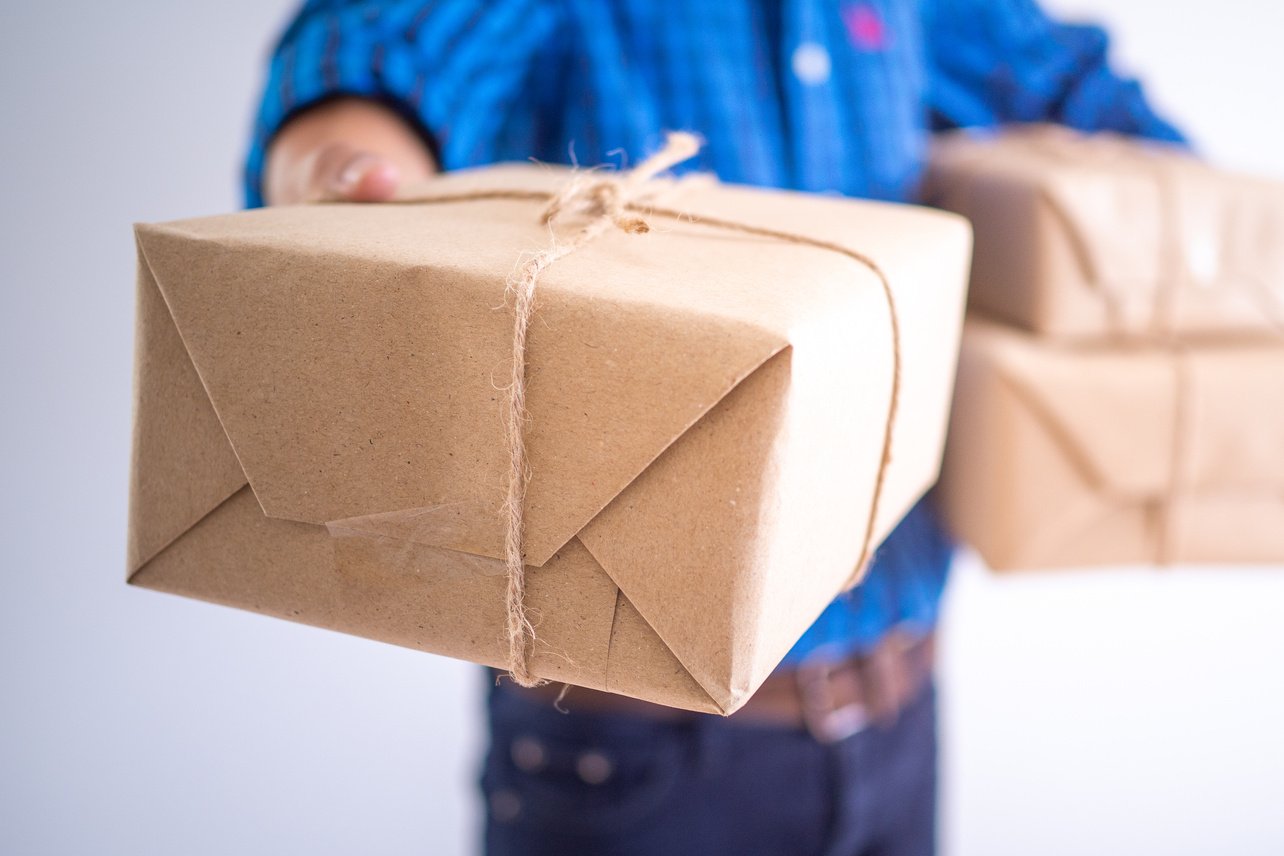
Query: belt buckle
point(826, 719)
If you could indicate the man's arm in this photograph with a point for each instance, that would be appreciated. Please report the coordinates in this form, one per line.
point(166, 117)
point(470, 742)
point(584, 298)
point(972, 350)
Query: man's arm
point(1000, 61)
point(332, 124)
point(364, 94)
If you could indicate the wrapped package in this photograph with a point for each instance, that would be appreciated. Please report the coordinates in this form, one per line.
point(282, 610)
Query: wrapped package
point(1091, 236)
point(1071, 455)
point(319, 428)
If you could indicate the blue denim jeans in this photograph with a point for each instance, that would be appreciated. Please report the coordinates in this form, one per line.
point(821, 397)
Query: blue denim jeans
point(594, 784)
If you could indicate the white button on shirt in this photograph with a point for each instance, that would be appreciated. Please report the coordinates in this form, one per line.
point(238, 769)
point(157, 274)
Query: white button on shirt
point(811, 63)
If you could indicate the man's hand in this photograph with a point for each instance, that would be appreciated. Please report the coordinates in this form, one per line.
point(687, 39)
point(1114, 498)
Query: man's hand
point(348, 149)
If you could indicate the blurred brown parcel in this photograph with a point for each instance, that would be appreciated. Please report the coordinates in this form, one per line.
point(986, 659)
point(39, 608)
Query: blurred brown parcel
point(1069, 455)
point(1097, 235)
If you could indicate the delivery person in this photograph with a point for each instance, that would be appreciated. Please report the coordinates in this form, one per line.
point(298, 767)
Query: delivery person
point(837, 753)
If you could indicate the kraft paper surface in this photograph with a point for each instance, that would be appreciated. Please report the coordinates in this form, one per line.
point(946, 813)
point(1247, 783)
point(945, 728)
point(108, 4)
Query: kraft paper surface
point(1075, 455)
point(318, 429)
point(1090, 236)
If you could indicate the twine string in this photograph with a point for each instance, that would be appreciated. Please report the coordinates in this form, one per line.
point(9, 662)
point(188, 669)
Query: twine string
point(604, 201)
point(615, 201)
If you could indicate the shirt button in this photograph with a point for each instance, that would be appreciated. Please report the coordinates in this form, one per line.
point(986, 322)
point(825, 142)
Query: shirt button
point(505, 805)
point(594, 768)
point(528, 754)
point(811, 63)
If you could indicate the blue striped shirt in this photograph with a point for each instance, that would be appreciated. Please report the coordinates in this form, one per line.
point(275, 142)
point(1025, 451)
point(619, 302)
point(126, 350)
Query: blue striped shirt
point(817, 95)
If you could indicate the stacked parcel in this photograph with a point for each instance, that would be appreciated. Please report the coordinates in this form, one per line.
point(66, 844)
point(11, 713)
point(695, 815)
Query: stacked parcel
point(320, 434)
point(1121, 384)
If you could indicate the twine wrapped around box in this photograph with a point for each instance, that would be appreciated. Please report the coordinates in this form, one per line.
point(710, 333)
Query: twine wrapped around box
point(618, 201)
point(326, 415)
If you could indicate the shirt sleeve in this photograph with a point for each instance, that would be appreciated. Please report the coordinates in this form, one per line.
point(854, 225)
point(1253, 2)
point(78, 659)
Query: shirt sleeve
point(453, 68)
point(1001, 61)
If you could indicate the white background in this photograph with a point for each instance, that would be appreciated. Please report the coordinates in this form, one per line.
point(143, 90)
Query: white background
point(1123, 712)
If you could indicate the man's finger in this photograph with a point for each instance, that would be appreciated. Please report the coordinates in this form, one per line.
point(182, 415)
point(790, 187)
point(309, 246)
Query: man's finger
point(366, 178)
point(344, 173)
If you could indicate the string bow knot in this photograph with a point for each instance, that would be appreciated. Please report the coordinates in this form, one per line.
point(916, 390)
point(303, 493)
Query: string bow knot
point(607, 199)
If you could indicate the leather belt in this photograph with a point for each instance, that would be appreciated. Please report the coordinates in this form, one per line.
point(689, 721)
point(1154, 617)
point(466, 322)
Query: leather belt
point(832, 699)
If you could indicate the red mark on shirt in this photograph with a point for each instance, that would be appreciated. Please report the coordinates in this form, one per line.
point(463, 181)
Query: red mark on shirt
point(864, 26)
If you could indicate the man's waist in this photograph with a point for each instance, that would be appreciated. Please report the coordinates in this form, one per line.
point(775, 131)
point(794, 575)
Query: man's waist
point(831, 698)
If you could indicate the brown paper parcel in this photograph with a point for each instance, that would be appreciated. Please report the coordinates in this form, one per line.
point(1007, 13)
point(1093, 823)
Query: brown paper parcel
point(1063, 456)
point(1085, 236)
point(318, 430)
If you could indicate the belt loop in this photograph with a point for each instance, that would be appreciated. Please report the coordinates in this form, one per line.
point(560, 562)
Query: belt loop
point(830, 695)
